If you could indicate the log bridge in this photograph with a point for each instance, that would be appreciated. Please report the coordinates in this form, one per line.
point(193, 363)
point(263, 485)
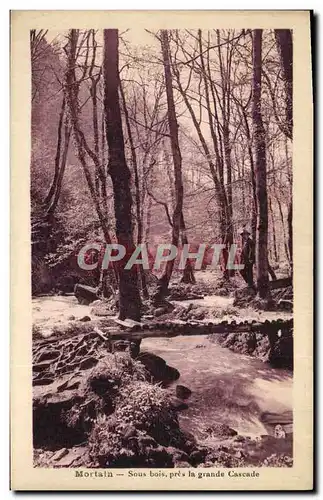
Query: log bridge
point(132, 330)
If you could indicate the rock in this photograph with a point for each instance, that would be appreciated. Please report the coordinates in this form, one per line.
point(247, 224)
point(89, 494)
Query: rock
point(157, 367)
point(178, 405)
point(198, 456)
point(104, 308)
point(239, 439)
point(59, 454)
point(39, 367)
point(121, 345)
point(177, 454)
point(71, 318)
point(48, 355)
point(221, 430)
point(147, 440)
point(183, 392)
point(85, 318)
point(180, 464)
point(285, 304)
point(85, 294)
point(69, 385)
point(239, 454)
point(43, 381)
point(102, 384)
point(88, 363)
point(72, 456)
point(159, 311)
point(129, 431)
point(223, 448)
point(160, 456)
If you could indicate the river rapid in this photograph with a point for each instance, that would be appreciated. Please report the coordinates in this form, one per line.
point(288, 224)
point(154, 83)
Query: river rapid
point(227, 387)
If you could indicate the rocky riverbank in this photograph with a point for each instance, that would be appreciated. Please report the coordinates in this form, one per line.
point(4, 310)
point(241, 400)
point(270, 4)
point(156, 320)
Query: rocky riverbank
point(276, 348)
point(111, 410)
point(101, 405)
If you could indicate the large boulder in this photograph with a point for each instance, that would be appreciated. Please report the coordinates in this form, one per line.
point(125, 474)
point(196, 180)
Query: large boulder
point(85, 294)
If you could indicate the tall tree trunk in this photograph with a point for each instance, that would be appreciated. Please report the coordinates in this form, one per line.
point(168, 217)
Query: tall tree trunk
point(253, 177)
point(71, 89)
point(188, 272)
point(129, 298)
point(273, 230)
point(260, 170)
point(284, 41)
point(62, 167)
point(283, 227)
point(290, 233)
point(52, 188)
point(177, 162)
point(137, 191)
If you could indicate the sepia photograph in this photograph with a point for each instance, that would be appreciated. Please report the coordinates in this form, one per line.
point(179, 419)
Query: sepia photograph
point(162, 253)
point(161, 296)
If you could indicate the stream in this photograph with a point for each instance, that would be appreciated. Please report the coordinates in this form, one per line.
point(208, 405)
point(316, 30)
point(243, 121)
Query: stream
point(227, 387)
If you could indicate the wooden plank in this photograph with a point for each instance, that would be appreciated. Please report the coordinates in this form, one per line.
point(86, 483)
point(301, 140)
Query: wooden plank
point(124, 323)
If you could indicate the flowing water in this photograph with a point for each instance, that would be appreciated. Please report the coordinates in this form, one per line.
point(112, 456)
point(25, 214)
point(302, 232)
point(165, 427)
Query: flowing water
point(226, 387)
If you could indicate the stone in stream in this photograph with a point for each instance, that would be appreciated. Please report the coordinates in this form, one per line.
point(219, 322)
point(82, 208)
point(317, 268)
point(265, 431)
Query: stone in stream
point(85, 318)
point(221, 430)
point(85, 294)
point(183, 392)
point(178, 404)
point(158, 368)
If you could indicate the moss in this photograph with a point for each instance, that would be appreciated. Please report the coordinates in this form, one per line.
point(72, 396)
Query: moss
point(142, 424)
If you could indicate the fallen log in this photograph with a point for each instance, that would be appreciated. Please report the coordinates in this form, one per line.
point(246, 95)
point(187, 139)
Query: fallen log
point(170, 330)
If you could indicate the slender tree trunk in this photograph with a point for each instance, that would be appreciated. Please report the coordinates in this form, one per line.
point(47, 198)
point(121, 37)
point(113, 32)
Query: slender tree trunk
point(148, 219)
point(290, 233)
point(284, 40)
point(129, 298)
point(283, 227)
point(260, 170)
point(52, 188)
point(177, 161)
point(81, 146)
point(137, 191)
point(63, 161)
point(273, 230)
point(188, 273)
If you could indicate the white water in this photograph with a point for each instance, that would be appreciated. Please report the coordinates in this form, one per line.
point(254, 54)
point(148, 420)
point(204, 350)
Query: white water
point(226, 387)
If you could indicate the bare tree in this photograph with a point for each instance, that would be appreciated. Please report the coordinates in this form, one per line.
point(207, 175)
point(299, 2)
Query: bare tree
point(284, 42)
point(129, 298)
point(177, 220)
point(260, 169)
point(137, 190)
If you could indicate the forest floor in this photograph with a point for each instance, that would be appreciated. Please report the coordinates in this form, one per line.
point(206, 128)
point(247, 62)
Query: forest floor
point(112, 410)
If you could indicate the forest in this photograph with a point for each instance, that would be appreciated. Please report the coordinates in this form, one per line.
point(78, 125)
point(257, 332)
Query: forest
point(139, 139)
point(174, 136)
